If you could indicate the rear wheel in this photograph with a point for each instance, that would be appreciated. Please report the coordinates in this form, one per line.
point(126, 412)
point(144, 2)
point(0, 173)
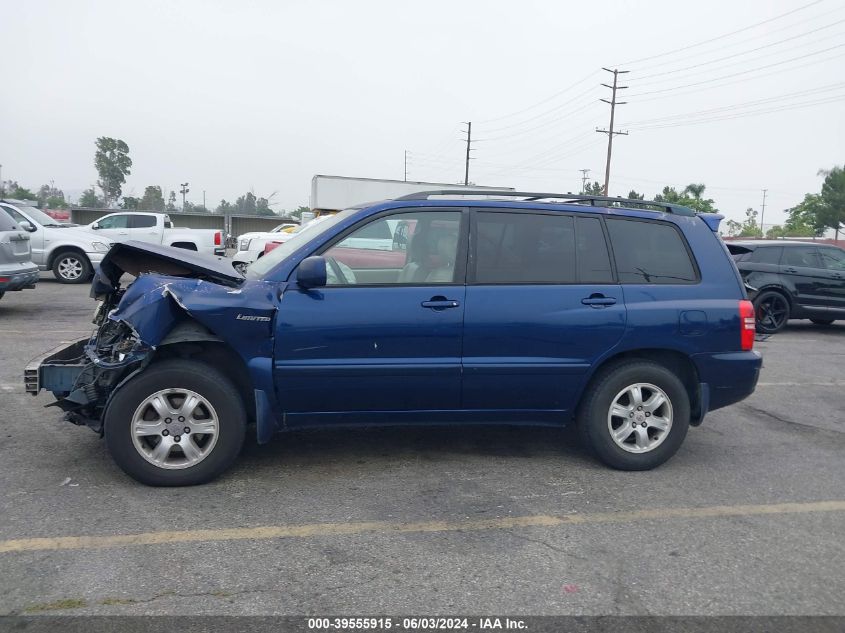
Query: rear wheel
point(822, 321)
point(71, 267)
point(771, 310)
point(635, 416)
point(178, 423)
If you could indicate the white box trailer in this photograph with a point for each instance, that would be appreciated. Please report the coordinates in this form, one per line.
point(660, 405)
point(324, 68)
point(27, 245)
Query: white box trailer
point(335, 193)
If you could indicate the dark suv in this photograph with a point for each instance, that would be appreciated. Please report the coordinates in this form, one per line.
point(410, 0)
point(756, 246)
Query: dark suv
point(624, 316)
point(792, 280)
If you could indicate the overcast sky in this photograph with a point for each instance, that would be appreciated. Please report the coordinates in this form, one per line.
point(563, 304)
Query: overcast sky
point(236, 96)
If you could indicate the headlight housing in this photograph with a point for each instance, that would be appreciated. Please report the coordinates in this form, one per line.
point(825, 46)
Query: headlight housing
point(101, 247)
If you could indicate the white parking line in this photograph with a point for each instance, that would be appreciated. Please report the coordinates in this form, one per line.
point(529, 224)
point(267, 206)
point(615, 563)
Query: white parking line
point(835, 383)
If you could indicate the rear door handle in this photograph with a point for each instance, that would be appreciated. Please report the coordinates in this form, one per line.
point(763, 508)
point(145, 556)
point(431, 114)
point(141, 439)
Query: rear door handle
point(440, 303)
point(790, 270)
point(598, 300)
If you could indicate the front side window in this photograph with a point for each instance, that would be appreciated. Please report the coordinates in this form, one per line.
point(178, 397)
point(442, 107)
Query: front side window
point(114, 222)
point(833, 258)
point(803, 256)
point(403, 248)
point(141, 221)
point(650, 253)
point(524, 248)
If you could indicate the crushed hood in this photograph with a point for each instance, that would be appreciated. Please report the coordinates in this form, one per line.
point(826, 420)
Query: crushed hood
point(135, 258)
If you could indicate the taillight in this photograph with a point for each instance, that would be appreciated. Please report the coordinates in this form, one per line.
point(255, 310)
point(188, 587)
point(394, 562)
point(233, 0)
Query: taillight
point(747, 324)
point(218, 238)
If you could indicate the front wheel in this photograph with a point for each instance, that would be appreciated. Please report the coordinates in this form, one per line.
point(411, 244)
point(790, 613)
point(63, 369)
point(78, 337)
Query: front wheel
point(178, 423)
point(71, 267)
point(634, 416)
point(772, 311)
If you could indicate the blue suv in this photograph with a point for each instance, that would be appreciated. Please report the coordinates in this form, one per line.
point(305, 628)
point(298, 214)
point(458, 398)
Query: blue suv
point(626, 317)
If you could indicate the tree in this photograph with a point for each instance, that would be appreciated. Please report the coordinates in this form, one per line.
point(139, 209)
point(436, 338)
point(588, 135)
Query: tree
point(14, 190)
point(225, 207)
point(750, 228)
point(633, 195)
point(297, 213)
point(594, 189)
point(190, 207)
point(50, 197)
point(90, 199)
point(113, 165)
point(802, 220)
point(262, 207)
point(246, 204)
point(130, 202)
point(689, 197)
point(733, 227)
point(171, 202)
point(831, 212)
point(152, 200)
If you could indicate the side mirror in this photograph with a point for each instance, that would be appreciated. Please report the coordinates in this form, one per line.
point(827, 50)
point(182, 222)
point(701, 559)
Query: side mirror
point(27, 226)
point(400, 237)
point(95, 226)
point(311, 272)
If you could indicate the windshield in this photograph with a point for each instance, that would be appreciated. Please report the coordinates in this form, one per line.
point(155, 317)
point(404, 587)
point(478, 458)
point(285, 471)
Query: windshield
point(40, 217)
point(302, 235)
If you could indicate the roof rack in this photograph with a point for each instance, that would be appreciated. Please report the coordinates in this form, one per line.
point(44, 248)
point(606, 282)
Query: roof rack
point(529, 196)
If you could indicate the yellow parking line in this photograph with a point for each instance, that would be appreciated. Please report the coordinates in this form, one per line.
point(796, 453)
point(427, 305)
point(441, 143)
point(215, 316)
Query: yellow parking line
point(385, 527)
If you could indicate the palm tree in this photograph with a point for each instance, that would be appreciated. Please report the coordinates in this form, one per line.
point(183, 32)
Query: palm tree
point(695, 190)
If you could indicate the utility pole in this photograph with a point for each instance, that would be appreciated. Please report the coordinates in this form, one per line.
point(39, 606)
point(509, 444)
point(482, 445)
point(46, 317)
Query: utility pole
point(184, 190)
point(585, 176)
point(763, 214)
point(469, 146)
point(610, 132)
point(406, 165)
point(203, 200)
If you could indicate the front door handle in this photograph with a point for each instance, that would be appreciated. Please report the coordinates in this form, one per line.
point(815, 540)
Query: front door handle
point(598, 300)
point(790, 270)
point(440, 303)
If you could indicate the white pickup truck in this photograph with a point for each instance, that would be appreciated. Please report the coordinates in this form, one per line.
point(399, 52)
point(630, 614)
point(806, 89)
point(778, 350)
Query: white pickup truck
point(157, 229)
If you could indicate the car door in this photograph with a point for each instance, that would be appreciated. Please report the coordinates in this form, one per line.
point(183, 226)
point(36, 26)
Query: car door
point(145, 228)
point(381, 342)
point(541, 306)
point(833, 260)
point(115, 227)
point(802, 273)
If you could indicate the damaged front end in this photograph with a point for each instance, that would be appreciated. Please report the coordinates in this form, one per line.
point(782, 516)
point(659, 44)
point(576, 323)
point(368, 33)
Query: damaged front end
point(130, 324)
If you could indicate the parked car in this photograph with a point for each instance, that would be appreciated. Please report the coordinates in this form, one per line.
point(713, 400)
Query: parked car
point(792, 280)
point(251, 247)
point(157, 228)
point(68, 250)
point(632, 323)
point(17, 272)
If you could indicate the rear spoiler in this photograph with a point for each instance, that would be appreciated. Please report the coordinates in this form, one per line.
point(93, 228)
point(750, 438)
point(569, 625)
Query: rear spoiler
point(712, 220)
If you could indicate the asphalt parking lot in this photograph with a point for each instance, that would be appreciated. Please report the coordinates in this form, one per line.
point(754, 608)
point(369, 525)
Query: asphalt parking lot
point(748, 518)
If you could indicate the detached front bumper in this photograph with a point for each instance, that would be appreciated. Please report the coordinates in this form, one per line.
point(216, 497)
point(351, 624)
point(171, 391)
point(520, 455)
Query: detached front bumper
point(18, 278)
point(57, 370)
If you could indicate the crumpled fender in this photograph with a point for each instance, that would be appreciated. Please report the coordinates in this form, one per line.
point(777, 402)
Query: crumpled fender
point(243, 317)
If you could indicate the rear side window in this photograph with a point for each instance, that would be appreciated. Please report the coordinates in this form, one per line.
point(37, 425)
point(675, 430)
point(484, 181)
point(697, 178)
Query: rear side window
point(650, 253)
point(803, 256)
point(524, 248)
point(141, 221)
point(833, 258)
point(766, 255)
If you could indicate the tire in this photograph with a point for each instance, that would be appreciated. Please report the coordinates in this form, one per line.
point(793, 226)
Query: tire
point(822, 321)
point(220, 410)
point(71, 267)
point(2, 293)
point(613, 386)
point(771, 310)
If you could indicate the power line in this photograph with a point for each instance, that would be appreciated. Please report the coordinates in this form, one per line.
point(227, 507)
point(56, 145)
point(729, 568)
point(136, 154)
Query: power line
point(610, 133)
point(737, 74)
point(585, 176)
point(733, 56)
point(720, 37)
point(539, 103)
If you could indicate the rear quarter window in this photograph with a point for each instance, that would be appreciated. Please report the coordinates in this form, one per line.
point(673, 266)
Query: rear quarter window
point(766, 255)
point(650, 253)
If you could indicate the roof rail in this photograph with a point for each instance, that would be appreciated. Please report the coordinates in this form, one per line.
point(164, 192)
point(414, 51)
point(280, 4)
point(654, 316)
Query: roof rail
point(576, 198)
